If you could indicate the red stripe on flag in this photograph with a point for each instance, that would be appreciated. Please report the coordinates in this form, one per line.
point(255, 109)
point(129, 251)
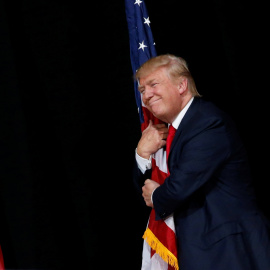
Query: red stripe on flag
point(164, 233)
point(148, 116)
point(157, 175)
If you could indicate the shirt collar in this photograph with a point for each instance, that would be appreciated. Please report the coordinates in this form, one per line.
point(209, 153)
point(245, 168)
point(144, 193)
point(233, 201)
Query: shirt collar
point(180, 116)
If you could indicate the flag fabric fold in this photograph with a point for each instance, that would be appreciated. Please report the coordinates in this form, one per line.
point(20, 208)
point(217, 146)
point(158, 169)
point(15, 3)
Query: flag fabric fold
point(160, 246)
point(2, 265)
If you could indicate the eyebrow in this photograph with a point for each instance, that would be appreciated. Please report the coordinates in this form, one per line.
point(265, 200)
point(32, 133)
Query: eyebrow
point(141, 87)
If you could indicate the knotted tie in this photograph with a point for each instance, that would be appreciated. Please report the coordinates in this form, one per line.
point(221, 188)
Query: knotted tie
point(170, 137)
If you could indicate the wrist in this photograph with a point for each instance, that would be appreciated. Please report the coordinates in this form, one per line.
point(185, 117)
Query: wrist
point(143, 154)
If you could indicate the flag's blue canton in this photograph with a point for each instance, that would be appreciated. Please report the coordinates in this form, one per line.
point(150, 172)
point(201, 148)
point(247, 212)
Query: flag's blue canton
point(141, 40)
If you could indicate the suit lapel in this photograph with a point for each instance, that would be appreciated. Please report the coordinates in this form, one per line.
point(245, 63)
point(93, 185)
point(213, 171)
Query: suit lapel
point(186, 119)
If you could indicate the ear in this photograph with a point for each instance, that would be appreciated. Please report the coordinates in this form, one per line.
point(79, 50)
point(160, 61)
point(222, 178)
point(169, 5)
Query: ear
point(183, 85)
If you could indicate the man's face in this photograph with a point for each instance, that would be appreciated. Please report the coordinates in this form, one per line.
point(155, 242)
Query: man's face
point(160, 95)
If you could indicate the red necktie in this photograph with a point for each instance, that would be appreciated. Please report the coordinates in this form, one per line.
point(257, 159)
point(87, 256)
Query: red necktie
point(171, 134)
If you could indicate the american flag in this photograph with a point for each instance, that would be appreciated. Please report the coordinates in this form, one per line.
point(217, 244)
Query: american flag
point(159, 251)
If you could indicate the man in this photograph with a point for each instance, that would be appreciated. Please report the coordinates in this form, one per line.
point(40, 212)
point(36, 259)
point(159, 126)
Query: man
point(209, 191)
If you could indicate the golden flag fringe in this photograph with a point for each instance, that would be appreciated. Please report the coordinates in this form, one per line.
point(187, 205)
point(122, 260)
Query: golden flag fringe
point(160, 249)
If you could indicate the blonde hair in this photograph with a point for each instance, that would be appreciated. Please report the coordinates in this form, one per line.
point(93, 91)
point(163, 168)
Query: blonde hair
point(175, 66)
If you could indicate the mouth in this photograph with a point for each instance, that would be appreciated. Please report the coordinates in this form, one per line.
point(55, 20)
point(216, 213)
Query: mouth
point(152, 102)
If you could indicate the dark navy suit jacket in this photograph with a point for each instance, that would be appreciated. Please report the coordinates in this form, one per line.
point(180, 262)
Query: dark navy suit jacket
point(209, 191)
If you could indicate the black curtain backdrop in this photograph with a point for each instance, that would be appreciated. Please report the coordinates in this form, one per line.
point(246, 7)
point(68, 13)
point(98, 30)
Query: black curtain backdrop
point(69, 122)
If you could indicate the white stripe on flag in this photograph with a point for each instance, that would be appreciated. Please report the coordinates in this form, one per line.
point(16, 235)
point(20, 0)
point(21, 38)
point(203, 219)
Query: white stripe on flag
point(170, 222)
point(160, 158)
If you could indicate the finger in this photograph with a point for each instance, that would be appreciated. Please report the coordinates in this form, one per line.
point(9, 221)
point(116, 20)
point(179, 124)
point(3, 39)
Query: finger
point(164, 132)
point(147, 181)
point(159, 126)
point(150, 123)
point(163, 143)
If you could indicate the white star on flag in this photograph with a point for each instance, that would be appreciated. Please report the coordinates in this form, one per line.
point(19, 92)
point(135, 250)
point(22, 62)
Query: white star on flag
point(142, 45)
point(138, 2)
point(147, 21)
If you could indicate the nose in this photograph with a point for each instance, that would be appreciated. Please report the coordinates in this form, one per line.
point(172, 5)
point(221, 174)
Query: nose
point(148, 94)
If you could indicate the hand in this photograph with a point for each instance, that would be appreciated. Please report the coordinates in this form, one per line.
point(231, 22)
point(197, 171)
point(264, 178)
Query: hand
point(153, 138)
point(147, 190)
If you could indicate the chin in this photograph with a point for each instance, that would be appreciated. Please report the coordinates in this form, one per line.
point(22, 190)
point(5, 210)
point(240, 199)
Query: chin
point(159, 116)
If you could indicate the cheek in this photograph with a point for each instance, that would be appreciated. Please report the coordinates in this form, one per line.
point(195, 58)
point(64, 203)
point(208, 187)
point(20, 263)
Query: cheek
point(173, 97)
point(143, 99)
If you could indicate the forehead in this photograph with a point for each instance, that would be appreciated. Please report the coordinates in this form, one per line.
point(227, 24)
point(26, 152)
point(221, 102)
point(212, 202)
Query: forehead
point(157, 74)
